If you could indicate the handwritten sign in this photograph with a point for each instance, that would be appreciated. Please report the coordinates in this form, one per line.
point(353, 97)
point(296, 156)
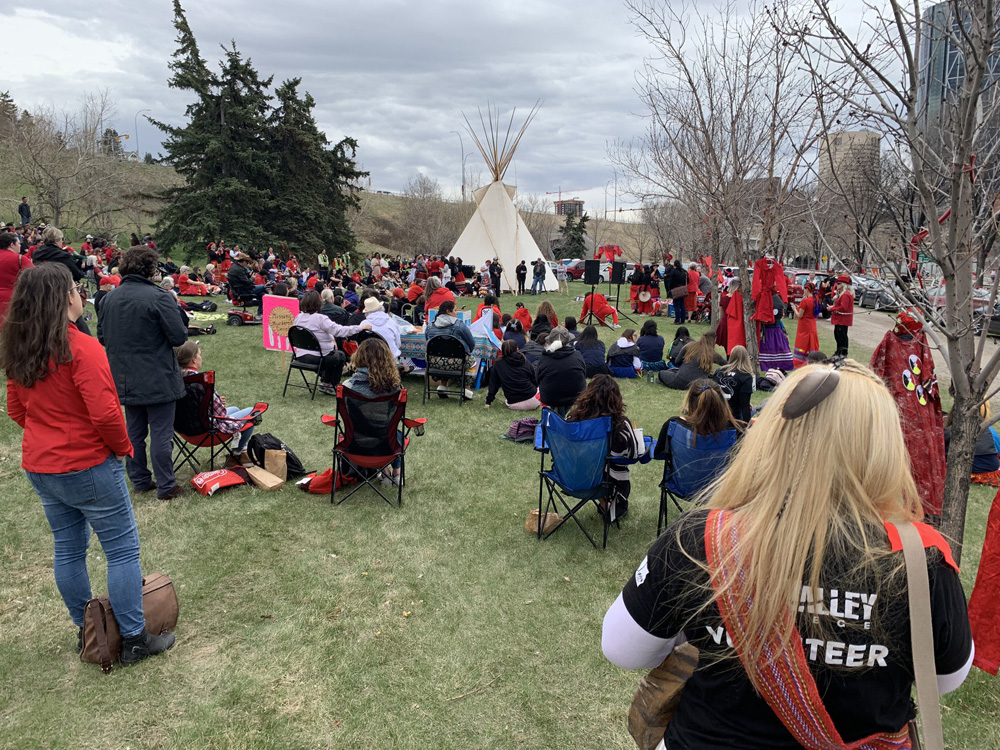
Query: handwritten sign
point(279, 313)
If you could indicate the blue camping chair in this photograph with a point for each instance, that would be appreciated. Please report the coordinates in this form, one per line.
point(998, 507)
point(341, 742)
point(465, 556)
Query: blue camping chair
point(578, 453)
point(690, 464)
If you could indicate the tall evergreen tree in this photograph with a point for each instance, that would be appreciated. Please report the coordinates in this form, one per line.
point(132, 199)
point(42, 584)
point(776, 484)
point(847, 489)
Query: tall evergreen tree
point(317, 184)
point(574, 234)
point(222, 152)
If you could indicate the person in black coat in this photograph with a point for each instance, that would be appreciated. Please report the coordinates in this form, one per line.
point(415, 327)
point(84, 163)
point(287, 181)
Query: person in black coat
point(516, 375)
point(737, 380)
point(139, 325)
point(562, 374)
point(241, 282)
point(592, 350)
point(699, 358)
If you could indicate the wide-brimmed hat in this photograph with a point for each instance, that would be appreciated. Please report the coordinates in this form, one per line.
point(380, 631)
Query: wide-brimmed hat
point(373, 305)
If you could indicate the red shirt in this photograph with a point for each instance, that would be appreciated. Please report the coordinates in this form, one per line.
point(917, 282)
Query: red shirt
point(842, 311)
point(413, 292)
point(437, 297)
point(11, 265)
point(524, 316)
point(72, 419)
point(496, 313)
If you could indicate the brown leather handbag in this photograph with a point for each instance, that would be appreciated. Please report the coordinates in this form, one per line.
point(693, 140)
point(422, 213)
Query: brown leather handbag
point(655, 701)
point(102, 642)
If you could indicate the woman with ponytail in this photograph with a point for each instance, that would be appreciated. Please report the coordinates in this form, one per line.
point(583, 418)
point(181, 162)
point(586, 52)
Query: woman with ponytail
point(789, 579)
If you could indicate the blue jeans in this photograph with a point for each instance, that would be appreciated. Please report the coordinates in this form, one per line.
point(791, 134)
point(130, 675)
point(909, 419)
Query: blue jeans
point(537, 281)
point(238, 413)
point(73, 503)
point(259, 291)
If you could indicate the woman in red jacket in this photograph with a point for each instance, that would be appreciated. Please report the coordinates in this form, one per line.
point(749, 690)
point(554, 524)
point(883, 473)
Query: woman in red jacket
point(60, 391)
point(842, 315)
point(436, 294)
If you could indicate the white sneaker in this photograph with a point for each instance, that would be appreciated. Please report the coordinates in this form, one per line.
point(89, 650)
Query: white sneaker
point(468, 393)
point(615, 325)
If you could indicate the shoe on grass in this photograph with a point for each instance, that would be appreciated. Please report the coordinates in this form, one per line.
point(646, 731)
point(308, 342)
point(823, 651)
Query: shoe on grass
point(469, 393)
point(138, 647)
point(442, 391)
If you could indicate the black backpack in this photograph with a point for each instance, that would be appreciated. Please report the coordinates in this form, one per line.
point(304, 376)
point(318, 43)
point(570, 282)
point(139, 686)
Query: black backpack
point(268, 442)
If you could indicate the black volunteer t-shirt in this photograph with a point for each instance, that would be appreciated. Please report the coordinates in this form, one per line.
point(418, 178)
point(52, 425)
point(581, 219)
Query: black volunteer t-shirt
point(862, 667)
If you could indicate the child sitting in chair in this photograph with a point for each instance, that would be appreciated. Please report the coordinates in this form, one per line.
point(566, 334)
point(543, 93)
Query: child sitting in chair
point(189, 358)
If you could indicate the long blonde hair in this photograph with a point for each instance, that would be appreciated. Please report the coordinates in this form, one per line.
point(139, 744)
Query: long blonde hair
point(739, 361)
point(807, 489)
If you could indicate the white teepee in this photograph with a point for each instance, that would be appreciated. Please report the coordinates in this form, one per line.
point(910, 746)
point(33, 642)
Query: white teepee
point(496, 229)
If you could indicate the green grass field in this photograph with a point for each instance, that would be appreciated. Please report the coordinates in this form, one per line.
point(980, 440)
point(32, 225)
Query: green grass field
point(292, 630)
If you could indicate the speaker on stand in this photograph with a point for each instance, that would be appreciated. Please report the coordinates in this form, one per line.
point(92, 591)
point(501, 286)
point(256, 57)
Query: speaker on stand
point(618, 277)
point(591, 276)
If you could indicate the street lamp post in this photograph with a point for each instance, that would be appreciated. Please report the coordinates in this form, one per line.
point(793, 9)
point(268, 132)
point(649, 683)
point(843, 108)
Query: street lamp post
point(136, 123)
point(462, 146)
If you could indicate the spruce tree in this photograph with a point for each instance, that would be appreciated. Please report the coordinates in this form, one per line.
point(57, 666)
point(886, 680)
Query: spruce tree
point(222, 152)
point(574, 234)
point(317, 184)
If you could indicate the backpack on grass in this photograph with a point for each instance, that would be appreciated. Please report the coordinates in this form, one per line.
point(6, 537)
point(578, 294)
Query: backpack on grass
point(268, 442)
point(522, 430)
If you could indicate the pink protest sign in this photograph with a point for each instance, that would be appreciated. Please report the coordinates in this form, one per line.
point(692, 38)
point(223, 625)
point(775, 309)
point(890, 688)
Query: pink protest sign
point(279, 313)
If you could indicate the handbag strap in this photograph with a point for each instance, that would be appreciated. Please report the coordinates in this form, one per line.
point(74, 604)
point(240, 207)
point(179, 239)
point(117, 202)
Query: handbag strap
point(921, 638)
point(99, 616)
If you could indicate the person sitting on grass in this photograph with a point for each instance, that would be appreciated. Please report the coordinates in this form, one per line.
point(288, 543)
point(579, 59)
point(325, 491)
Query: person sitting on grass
point(562, 374)
point(331, 307)
point(603, 398)
point(446, 324)
point(545, 319)
point(516, 375)
point(651, 345)
point(330, 359)
point(534, 348)
point(189, 358)
point(675, 357)
point(570, 324)
point(522, 314)
point(623, 356)
point(489, 302)
point(592, 350)
point(700, 358)
point(738, 380)
point(515, 333)
point(373, 373)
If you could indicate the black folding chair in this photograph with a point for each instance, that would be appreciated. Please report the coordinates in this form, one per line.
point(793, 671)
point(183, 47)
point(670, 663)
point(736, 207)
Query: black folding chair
point(196, 425)
point(370, 434)
point(446, 360)
point(300, 338)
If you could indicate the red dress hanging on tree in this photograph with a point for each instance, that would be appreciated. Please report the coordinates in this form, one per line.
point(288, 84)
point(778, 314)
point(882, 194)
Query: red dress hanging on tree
point(735, 330)
point(904, 362)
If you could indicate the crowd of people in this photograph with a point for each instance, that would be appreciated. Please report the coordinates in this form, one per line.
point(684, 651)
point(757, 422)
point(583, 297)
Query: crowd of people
point(727, 574)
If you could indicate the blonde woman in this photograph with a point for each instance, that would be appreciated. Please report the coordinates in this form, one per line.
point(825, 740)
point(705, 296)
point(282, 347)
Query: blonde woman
point(738, 381)
point(790, 583)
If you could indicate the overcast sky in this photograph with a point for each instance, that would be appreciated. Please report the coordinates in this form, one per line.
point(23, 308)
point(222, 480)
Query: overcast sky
point(394, 74)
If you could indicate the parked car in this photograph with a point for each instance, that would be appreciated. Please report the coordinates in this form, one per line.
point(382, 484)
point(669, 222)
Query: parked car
point(980, 298)
point(878, 296)
point(575, 270)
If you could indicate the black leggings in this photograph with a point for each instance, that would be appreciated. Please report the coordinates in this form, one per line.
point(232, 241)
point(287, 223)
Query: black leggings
point(840, 336)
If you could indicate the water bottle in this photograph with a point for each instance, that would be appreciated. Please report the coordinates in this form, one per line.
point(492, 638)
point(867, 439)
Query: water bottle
point(652, 376)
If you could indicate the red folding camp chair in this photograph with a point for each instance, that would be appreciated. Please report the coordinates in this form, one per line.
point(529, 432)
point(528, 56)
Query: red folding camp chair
point(370, 434)
point(196, 426)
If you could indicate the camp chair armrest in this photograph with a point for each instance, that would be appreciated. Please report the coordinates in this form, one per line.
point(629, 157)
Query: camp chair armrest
point(330, 420)
point(239, 422)
point(417, 424)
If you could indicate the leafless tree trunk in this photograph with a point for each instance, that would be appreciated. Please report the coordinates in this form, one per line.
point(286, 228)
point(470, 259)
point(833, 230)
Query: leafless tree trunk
point(875, 83)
